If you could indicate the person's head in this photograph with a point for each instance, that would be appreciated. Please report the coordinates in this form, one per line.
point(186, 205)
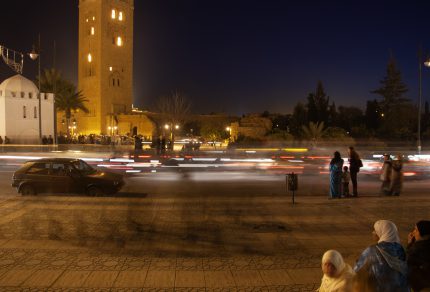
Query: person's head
point(332, 263)
point(337, 155)
point(386, 156)
point(422, 230)
point(399, 156)
point(385, 230)
point(345, 168)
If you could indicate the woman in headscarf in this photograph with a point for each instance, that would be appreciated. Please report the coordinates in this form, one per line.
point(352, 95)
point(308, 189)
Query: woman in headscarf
point(385, 261)
point(337, 274)
point(336, 165)
point(396, 176)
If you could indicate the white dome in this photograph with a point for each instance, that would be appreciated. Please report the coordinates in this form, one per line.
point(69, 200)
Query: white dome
point(18, 83)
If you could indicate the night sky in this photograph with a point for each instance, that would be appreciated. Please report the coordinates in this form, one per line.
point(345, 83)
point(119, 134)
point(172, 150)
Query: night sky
point(242, 56)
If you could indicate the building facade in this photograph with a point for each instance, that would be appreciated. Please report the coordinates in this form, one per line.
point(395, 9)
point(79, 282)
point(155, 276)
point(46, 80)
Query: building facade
point(105, 65)
point(19, 111)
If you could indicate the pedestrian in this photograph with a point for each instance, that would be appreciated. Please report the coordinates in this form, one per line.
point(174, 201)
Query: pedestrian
point(1, 140)
point(354, 168)
point(385, 261)
point(346, 177)
point(418, 256)
point(336, 175)
point(50, 139)
point(396, 176)
point(6, 140)
point(385, 176)
point(337, 274)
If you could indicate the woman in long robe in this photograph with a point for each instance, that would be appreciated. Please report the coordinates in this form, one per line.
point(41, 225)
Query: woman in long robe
point(337, 274)
point(385, 261)
point(336, 165)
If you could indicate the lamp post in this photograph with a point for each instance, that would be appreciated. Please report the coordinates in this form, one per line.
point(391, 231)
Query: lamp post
point(427, 64)
point(36, 55)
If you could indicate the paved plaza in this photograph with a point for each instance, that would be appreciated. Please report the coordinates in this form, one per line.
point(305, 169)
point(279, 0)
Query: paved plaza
point(143, 242)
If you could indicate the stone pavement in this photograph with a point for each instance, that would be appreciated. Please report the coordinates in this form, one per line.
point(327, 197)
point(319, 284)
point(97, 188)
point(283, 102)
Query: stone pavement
point(179, 243)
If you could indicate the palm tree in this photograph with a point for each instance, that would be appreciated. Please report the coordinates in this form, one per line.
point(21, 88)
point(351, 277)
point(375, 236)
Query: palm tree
point(314, 131)
point(70, 101)
point(67, 99)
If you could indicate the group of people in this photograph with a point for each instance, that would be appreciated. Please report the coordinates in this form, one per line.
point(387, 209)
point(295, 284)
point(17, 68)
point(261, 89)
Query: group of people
point(391, 175)
point(384, 266)
point(5, 141)
point(341, 175)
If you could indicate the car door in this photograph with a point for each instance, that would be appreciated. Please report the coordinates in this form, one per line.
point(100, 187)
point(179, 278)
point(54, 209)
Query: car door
point(38, 176)
point(61, 179)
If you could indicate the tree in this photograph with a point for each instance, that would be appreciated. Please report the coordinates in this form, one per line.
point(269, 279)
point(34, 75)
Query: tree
point(397, 110)
point(373, 115)
point(392, 88)
point(67, 98)
point(317, 105)
point(213, 130)
point(70, 101)
point(314, 132)
point(298, 119)
point(174, 110)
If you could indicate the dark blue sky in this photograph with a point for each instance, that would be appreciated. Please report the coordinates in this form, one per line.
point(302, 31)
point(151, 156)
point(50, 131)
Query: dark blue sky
point(243, 56)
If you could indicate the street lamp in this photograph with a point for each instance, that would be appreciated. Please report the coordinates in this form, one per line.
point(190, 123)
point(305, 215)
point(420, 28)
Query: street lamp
point(427, 64)
point(36, 55)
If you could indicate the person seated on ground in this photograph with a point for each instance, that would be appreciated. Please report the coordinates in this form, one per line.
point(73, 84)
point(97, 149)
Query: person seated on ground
point(418, 256)
point(385, 261)
point(337, 274)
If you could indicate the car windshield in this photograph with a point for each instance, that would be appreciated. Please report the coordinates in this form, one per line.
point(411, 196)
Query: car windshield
point(83, 167)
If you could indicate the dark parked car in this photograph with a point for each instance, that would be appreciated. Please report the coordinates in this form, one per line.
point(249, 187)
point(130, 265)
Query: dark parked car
point(64, 175)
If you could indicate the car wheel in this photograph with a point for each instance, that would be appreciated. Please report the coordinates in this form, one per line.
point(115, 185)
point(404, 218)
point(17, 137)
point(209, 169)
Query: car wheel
point(27, 190)
point(95, 192)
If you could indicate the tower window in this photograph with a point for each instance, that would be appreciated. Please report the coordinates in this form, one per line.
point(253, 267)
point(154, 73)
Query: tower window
point(117, 82)
point(13, 93)
point(113, 82)
point(86, 20)
point(22, 94)
point(35, 112)
point(113, 15)
point(30, 95)
point(94, 18)
point(24, 112)
point(110, 68)
point(92, 30)
point(120, 16)
point(119, 41)
point(90, 58)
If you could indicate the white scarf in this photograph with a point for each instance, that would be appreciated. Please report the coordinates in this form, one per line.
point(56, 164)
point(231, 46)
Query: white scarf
point(343, 279)
point(386, 231)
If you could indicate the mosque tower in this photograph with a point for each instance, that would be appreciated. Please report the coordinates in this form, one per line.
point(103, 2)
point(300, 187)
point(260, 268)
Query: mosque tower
point(105, 64)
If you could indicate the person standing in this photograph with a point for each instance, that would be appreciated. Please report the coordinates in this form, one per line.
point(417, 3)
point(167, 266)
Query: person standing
point(336, 165)
point(354, 167)
point(418, 256)
point(346, 177)
point(396, 176)
point(386, 175)
point(385, 261)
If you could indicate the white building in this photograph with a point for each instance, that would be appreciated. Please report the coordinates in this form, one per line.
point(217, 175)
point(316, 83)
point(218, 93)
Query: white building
point(19, 114)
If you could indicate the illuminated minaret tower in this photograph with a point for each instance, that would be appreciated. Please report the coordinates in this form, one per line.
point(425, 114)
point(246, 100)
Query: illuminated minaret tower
point(105, 63)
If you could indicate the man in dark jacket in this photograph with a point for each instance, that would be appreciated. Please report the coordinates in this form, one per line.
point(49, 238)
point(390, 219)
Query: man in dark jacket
point(418, 256)
point(354, 167)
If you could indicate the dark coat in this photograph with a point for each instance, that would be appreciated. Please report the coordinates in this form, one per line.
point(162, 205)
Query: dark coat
point(418, 258)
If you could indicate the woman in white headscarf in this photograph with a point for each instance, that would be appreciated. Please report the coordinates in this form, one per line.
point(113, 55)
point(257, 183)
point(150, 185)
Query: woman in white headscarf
point(337, 274)
point(385, 261)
